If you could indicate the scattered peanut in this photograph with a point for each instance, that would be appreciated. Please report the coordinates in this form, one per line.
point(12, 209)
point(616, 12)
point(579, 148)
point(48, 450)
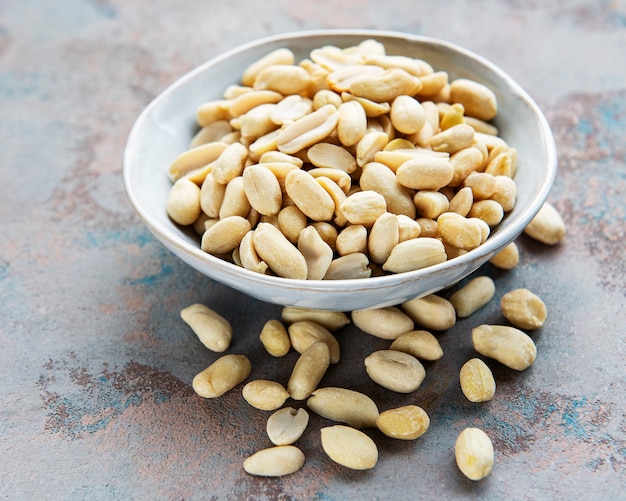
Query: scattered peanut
point(349, 447)
point(404, 423)
point(308, 371)
point(222, 375)
point(275, 461)
point(477, 382)
point(213, 330)
point(303, 333)
point(275, 339)
point(420, 344)
point(523, 309)
point(547, 226)
point(474, 454)
point(507, 258)
point(346, 406)
point(264, 394)
point(507, 345)
point(385, 323)
point(395, 370)
point(286, 426)
point(431, 311)
point(473, 296)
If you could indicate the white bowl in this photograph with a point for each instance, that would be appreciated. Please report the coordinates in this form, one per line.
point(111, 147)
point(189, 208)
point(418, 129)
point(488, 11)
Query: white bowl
point(165, 128)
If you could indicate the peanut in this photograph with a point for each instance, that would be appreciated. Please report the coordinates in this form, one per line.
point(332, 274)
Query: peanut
point(349, 447)
point(431, 311)
point(385, 323)
point(303, 333)
point(419, 343)
point(507, 345)
point(213, 330)
point(183, 202)
point(347, 267)
point(308, 371)
point(286, 426)
point(507, 258)
point(332, 320)
point(523, 309)
point(474, 454)
point(547, 226)
point(403, 423)
point(280, 255)
point(308, 130)
point(317, 253)
point(264, 394)
point(222, 375)
point(309, 196)
point(346, 406)
point(262, 189)
point(275, 339)
point(478, 100)
point(225, 235)
point(395, 370)
point(415, 254)
point(473, 295)
point(275, 461)
point(477, 382)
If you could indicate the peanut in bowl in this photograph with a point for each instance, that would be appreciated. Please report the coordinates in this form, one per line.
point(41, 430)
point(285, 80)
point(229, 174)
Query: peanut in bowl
point(166, 128)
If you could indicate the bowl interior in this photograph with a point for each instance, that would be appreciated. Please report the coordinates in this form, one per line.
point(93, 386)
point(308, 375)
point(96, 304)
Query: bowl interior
point(166, 126)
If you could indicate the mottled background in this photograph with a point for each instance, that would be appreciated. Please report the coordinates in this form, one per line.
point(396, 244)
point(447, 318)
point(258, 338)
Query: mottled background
point(95, 363)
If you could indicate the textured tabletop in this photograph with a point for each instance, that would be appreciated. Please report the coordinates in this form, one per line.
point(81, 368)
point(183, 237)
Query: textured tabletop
point(96, 364)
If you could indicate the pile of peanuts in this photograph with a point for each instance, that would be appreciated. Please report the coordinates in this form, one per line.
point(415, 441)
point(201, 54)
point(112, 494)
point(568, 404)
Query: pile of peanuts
point(397, 368)
point(348, 164)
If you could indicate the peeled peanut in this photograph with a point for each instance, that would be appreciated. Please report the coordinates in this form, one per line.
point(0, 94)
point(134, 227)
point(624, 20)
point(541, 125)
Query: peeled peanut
point(331, 155)
point(275, 461)
point(403, 423)
point(431, 311)
point(474, 454)
point(383, 237)
point(352, 123)
point(473, 295)
point(477, 99)
point(431, 204)
point(303, 333)
point(194, 158)
point(308, 130)
point(284, 78)
point(286, 426)
point(386, 323)
point(419, 343)
point(278, 56)
point(309, 196)
point(489, 211)
point(507, 258)
point(363, 207)
point(222, 375)
point(381, 179)
point(248, 257)
point(225, 235)
point(213, 330)
point(407, 114)
point(291, 222)
point(235, 201)
point(308, 371)
point(291, 108)
point(332, 320)
point(415, 254)
point(281, 256)
point(547, 226)
point(264, 394)
point(346, 406)
point(462, 201)
point(395, 370)
point(425, 173)
point(262, 189)
point(453, 139)
point(458, 231)
point(350, 266)
point(507, 345)
point(370, 144)
point(183, 202)
point(317, 253)
point(211, 196)
point(523, 309)
point(352, 239)
point(247, 101)
point(387, 86)
point(477, 382)
point(230, 163)
point(349, 447)
point(275, 339)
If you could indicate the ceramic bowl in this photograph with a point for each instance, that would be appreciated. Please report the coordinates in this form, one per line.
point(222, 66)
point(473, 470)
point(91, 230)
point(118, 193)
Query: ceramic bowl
point(165, 127)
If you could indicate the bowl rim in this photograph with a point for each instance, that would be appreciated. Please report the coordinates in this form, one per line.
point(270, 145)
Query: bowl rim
point(489, 247)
